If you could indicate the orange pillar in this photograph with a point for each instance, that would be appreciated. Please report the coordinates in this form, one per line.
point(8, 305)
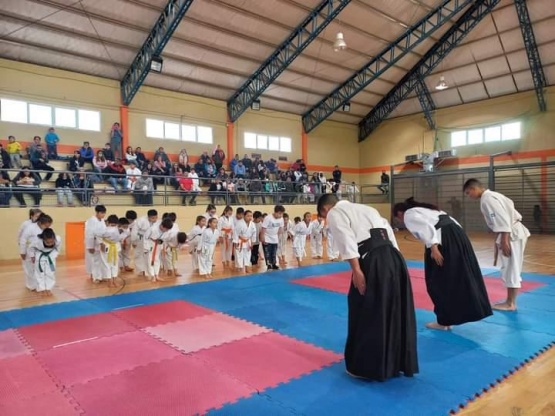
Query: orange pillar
point(124, 123)
point(75, 240)
point(230, 153)
point(304, 147)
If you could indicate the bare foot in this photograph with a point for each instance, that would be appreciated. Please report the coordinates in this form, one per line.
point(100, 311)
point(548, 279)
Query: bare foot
point(504, 306)
point(176, 274)
point(435, 325)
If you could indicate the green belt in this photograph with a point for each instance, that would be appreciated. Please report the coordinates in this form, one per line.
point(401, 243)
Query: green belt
point(47, 255)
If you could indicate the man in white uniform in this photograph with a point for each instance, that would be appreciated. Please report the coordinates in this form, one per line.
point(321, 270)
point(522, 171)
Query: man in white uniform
point(502, 218)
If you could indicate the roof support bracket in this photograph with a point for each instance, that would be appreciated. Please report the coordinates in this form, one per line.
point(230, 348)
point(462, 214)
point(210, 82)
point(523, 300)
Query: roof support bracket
point(449, 41)
point(153, 46)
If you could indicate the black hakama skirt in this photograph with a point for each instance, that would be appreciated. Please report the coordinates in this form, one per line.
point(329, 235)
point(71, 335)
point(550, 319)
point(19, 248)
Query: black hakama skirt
point(457, 288)
point(381, 340)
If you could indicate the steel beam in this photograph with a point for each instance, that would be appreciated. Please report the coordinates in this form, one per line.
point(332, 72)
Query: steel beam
point(153, 46)
point(397, 49)
point(449, 41)
point(426, 102)
point(282, 57)
point(532, 51)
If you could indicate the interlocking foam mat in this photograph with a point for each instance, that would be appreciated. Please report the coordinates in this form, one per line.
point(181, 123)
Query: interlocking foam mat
point(269, 343)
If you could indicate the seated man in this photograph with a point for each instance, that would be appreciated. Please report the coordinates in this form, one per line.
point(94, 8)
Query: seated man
point(187, 187)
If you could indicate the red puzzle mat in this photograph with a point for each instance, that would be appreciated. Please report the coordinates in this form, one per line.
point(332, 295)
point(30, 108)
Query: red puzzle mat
point(340, 283)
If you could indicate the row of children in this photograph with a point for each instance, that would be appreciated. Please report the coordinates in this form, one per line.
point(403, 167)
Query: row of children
point(38, 248)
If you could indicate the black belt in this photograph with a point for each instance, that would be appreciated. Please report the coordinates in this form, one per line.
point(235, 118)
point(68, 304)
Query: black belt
point(443, 221)
point(378, 238)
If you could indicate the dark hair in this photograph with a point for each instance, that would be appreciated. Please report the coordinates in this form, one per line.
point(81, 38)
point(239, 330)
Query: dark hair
point(167, 223)
point(227, 209)
point(411, 203)
point(47, 233)
point(297, 220)
point(100, 209)
point(240, 210)
point(44, 219)
point(131, 215)
point(248, 211)
point(123, 221)
point(152, 213)
point(256, 214)
point(285, 215)
point(34, 211)
point(324, 201)
point(181, 238)
point(472, 183)
point(211, 220)
point(172, 216)
point(210, 207)
point(112, 219)
point(279, 208)
point(199, 219)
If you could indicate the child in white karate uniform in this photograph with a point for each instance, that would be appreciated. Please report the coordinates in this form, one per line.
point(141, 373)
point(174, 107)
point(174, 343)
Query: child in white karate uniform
point(173, 242)
point(243, 236)
point(127, 244)
point(300, 231)
point(93, 227)
point(225, 227)
point(28, 237)
point(316, 234)
point(125, 237)
point(206, 246)
point(140, 228)
point(153, 244)
point(107, 256)
point(282, 243)
point(43, 253)
point(194, 240)
point(333, 254)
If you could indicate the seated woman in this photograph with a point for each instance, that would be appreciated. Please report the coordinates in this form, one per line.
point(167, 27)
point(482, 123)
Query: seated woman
point(143, 190)
point(27, 182)
point(64, 187)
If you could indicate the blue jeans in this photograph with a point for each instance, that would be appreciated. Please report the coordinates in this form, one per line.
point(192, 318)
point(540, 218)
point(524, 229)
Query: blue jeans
point(52, 150)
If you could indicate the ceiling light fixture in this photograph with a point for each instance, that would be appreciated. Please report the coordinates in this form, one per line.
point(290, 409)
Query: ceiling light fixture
point(441, 85)
point(156, 64)
point(255, 105)
point(346, 107)
point(339, 44)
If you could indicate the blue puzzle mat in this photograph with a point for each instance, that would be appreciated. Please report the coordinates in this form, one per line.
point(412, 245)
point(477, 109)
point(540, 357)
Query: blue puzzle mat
point(454, 365)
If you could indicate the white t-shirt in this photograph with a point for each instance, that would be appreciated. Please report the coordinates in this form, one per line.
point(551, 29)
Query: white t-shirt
point(271, 228)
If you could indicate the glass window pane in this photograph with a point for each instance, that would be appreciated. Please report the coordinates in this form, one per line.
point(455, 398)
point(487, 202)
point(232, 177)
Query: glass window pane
point(204, 134)
point(458, 138)
point(188, 133)
point(14, 111)
point(475, 136)
point(89, 120)
point(171, 131)
point(493, 134)
point(154, 128)
point(285, 144)
point(273, 143)
point(40, 114)
point(510, 131)
point(250, 141)
point(65, 117)
point(261, 142)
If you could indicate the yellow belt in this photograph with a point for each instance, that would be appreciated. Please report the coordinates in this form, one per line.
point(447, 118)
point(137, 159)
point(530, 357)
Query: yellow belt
point(112, 251)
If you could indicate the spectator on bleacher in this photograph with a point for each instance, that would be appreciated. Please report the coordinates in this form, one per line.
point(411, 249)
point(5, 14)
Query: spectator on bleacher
point(187, 187)
point(39, 161)
point(5, 189)
point(240, 170)
point(161, 153)
point(229, 188)
point(116, 140)
point(83, 185)
point(144, 187)
point(51, 138)
point(234, 162)
point(222, 175)
point(247, 162)
point(156, 174)
point(100, 163)
point(76, 162)
point(14, 153)
point(5, 157)
point(218, 157)
point(36, 141)
point(27, 182)
point(130, 155)
point(133, 174)
point(194, 176)
point(210, 169)
point(183, 160)
point(271, 167)
point(255, 188)
point(336, 174)
point(175, 174)
point(64, 187)
point(108, 153)
point(204, 158)
point(141, 158)
point(161, 165)
point(199, 168)
point(215, 192)
point(116, 175)
point(87, 153)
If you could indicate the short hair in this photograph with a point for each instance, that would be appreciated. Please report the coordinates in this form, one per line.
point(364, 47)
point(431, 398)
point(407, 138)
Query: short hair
point(472, 183)
point(172, 216)
point(297, 220)
point(279, 208)
point(181, 238)
point(47, 233)
point(123, 221)
point(34, 211)
point(131, 215)
point(152, 213)
point(248, 211)
point(112, 219)
point(100, 209)
point(167, 223)
point(44, 219)
point(257, 214)
point(325, 200)
point(240, 210)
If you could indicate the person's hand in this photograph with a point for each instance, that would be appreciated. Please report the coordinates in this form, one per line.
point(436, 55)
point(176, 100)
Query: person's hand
point(359, 281)
point(23, 256)
point(91, 250)
point(506, 245)
point(436, 255)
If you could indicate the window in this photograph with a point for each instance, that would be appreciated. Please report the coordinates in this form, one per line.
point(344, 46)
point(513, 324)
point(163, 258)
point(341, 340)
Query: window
point(65, 117)
point(89, 120)
point(264, 142)
point(159, 129)
point(13, 111)
point(46, 115)
point(503, 132)
point(40, 114)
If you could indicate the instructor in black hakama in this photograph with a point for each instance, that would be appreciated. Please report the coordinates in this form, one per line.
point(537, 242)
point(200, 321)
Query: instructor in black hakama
point(454, 280)
point(381, 340)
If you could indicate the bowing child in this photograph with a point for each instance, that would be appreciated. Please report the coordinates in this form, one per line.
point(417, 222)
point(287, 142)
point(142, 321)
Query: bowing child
point(43, 253)
point(153, 246)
